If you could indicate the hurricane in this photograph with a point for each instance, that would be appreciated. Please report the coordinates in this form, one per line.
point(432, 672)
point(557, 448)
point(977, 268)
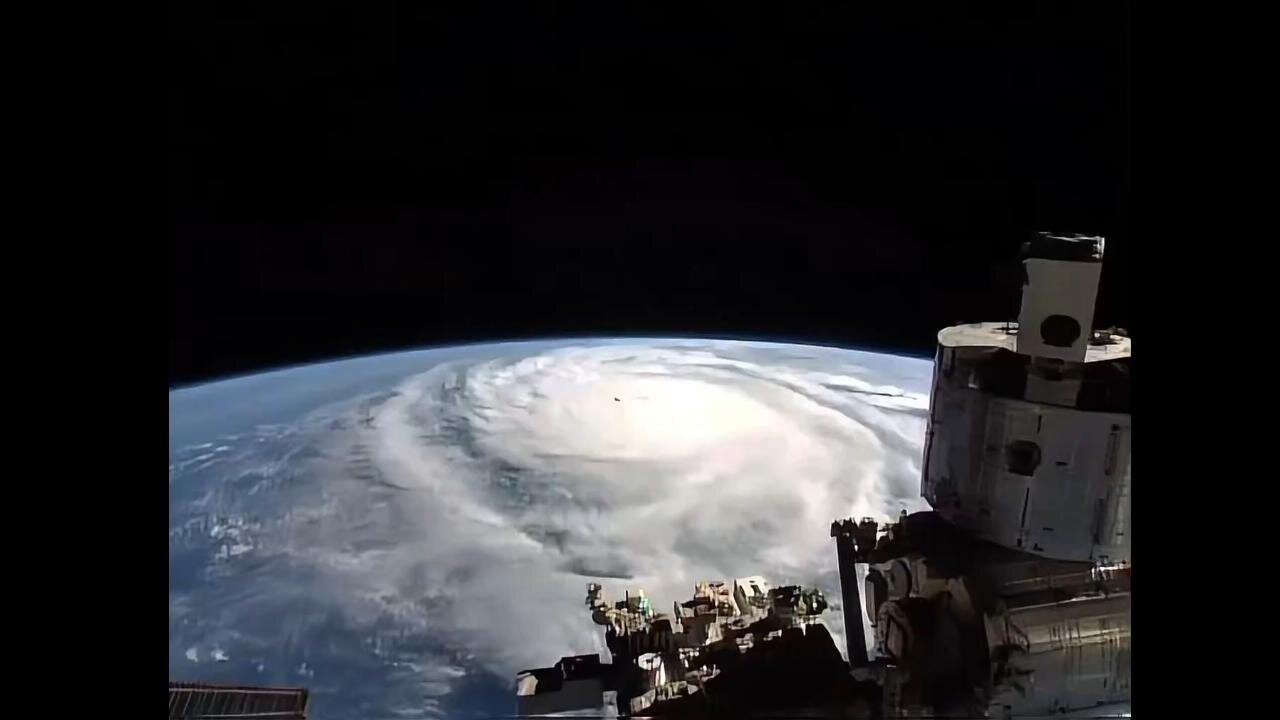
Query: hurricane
point(405, 544)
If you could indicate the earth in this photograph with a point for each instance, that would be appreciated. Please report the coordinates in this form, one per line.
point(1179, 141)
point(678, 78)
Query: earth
point(403, 533)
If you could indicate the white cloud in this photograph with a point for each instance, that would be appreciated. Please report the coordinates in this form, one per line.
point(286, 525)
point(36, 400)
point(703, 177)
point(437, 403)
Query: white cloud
point(472, 507)
point(665, 464)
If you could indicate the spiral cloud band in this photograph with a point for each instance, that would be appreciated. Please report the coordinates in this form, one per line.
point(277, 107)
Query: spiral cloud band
point(406, 551)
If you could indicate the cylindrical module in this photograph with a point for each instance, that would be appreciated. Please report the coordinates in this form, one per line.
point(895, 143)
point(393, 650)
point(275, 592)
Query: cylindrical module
point(1077, 652)
point(1048, 479)
point(1029, 423)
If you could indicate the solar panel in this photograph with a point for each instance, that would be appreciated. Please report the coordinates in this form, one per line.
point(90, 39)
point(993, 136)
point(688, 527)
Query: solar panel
point(204, 701)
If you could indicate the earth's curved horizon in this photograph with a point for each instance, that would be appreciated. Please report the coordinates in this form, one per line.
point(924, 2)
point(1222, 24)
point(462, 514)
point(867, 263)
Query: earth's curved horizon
point(401, 533)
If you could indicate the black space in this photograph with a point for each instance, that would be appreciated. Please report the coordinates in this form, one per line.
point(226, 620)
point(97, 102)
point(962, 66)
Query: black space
point(346, 179)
